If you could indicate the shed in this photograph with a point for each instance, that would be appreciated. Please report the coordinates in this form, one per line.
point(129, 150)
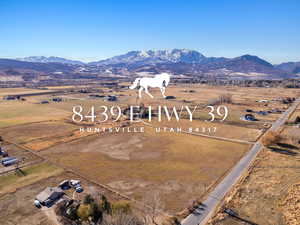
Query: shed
point(7, 158)
point(8, 161)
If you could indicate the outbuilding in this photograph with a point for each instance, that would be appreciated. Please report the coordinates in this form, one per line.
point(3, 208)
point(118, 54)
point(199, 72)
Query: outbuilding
point(49, 196)
point(111, 98)
point(9, 97)
point(8, 161)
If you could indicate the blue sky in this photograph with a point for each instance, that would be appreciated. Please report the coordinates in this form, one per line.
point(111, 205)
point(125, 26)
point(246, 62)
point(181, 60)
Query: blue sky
point(94, 30)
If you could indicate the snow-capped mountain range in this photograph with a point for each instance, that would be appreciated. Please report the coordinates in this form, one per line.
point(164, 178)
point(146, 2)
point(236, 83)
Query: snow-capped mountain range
point(177, 61)
point(159, 56)
point(51, 59)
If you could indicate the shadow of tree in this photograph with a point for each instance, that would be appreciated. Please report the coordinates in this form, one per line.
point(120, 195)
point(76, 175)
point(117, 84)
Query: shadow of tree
point(283, 151)
point(284, 145)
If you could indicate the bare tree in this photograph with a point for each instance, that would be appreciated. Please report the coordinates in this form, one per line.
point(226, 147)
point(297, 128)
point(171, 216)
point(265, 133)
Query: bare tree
point(121, 218)
point(153, 206)
point(271, 138)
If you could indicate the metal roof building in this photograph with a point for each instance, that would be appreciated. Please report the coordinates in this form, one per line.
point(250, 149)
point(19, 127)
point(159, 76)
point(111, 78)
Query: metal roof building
point(49, 195)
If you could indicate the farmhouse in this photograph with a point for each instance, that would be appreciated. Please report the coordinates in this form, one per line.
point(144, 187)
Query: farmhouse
point(249, 117)
point(170, 97)
point(57, 99)
point(48, 196)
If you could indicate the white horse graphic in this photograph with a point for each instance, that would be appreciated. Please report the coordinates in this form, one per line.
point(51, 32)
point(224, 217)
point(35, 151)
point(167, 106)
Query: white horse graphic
point(161, 81)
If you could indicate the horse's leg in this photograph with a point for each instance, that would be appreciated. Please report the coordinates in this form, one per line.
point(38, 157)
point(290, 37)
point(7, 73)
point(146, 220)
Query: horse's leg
point(140, 92)
point(147, 92)
point(163, 90)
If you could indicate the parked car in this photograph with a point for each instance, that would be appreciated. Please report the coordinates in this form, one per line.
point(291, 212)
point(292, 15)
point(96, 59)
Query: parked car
point(76, 185)
point(65, 185)
point(3, 152)
point(37, 204)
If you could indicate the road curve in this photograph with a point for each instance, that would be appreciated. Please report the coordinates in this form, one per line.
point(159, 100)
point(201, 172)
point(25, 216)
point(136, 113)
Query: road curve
point(214, 198)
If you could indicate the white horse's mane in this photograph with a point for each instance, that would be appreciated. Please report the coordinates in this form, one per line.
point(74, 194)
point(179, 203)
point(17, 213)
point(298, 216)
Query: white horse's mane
point(160, 81)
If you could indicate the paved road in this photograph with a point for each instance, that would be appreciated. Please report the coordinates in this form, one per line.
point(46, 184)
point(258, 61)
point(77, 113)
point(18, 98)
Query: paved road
point(203, 214)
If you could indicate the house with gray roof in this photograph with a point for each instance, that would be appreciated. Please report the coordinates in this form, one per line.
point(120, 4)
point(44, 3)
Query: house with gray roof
point(49, 196)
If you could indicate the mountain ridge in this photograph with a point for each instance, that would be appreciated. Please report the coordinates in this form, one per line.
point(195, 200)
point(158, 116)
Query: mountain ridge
point(50, 59)
point(154, 56)
point(176, 61)
point(186, 55)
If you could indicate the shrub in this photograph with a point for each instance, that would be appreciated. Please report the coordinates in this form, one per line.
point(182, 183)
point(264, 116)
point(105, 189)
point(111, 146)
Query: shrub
point(84, 212)
point(171, 220)
point(96, 213)
point(71, 212)
point(105, 205)
point(121, 207)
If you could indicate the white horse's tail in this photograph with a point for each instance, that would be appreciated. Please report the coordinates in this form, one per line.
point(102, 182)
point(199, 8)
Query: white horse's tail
point(135, 83)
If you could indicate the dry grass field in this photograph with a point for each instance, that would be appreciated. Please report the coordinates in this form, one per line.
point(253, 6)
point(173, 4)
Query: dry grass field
point(175, 164)
point(294, 116)
point(19, 91)
point(270, 193)
point(17, 112)
point(29, 132)
point(292, 133)
point(180, 166)
point(217, 129)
